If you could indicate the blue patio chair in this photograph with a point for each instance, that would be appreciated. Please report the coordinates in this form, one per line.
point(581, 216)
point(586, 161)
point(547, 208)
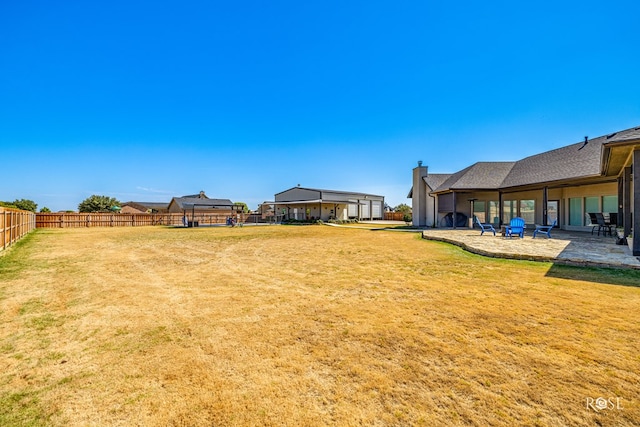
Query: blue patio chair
point(545, 229)
point(516, 226)
point(484, 227)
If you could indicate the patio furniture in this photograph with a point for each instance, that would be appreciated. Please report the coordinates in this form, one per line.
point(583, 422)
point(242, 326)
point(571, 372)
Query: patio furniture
point(484, 227)
point(516, 226)
point(594, 221)
point(545, 229)
point(597, 221)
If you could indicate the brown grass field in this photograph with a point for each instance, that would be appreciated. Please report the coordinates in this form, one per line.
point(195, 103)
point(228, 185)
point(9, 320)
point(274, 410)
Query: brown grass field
point(307, 326)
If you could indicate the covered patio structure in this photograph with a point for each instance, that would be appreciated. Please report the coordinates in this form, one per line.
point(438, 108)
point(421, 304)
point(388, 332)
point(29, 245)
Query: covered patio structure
point(567, 186)
point(299, 203)
point(620, 158)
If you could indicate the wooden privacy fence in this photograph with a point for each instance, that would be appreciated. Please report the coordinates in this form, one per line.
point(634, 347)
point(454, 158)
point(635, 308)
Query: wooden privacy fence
point(14, 224)
point(77, 220)
point(394, 216)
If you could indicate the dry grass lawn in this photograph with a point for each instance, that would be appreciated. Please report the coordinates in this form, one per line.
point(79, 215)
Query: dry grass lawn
point(306, 326)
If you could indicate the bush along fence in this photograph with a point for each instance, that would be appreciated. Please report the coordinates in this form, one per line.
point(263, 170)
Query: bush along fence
point(15, 224)
point(78, 220)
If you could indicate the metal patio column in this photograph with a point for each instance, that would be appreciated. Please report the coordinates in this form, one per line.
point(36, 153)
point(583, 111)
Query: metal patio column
point(626, 201)
point(545, 202)
point(636, 204)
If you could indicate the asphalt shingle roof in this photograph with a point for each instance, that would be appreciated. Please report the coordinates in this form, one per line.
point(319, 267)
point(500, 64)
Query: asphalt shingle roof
point(435, 180)
point(625, 135)
point(571, 162)
point(481, 175)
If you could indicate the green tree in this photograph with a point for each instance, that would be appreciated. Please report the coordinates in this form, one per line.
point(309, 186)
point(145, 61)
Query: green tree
point(45, 209)
point(8, 205)
point(26, 205)
point(405, 209)
point(96, 203)
point(244, 206)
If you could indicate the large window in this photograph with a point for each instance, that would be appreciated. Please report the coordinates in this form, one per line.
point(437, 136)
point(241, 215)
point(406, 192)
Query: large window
point(591, 205)
point(510, 208)
point(528, 211)
point(575, 211)
point(494, 212)
point(609, 204)
point(525, 209)
point(479, 210)
point(580, 208)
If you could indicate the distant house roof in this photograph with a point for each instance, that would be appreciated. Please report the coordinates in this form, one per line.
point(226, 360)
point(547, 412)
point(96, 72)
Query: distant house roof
point(200, 195)
point(201, 203)
point(143, 206)
point(577, 161)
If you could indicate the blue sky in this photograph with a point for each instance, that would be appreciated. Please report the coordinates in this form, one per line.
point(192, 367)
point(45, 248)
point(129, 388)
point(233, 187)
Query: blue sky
point(148, 100)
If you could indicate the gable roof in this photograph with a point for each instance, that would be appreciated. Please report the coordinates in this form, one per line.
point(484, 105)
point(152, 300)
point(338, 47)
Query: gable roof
point(570, 162)
point(435, 180)
point(328, 191)
point(577, 161)
point(479, 176)
point(189, 202)
point(146, 205)
point(201, 195)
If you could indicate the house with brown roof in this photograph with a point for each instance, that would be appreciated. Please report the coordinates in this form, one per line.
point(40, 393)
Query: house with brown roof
point(199, 203)
point(565, 184)
point(144, 207)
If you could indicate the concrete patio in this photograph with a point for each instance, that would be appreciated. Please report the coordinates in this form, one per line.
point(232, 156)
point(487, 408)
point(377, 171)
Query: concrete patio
point(565, 247)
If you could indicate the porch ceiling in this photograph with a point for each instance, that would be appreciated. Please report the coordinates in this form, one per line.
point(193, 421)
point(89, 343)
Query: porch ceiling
point(617, 157)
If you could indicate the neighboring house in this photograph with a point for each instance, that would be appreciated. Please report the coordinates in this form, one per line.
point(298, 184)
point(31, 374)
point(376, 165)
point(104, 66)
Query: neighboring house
point(595, 175)
point(144, 207)
point(200, 203)
point(310, 203)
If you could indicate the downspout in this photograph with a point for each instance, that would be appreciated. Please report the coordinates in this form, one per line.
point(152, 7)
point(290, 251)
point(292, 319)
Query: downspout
point(454, 214)
point(435, 223)
point(627, 202)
